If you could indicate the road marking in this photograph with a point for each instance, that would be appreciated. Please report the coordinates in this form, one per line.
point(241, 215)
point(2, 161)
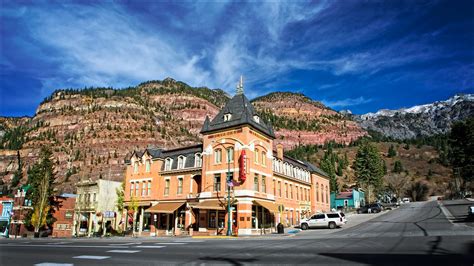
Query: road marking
point(126, 244)
point(189, 241)
point(123, 251)
point(60, 246)
point(149, 246)
point(54, 264)
point(87, 257)
point(58, 243)
point(446, 213)
point(170, 243)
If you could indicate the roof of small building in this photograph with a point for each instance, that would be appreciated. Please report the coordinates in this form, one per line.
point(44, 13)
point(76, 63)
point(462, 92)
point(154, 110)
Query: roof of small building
point(242, 113)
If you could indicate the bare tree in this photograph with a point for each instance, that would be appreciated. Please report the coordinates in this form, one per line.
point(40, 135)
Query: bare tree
point(398, 183)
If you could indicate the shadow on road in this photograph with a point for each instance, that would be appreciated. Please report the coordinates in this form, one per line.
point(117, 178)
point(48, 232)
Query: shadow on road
point(231, 261)
point(403, 259)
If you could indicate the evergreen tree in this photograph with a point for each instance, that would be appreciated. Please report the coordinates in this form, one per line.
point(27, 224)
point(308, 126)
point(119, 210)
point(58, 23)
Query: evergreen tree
point(391, 151)
point(340, 167)
point(368, 167)
point(18, 174)
point(41, 177)
point(397, 167)
point(461, 155)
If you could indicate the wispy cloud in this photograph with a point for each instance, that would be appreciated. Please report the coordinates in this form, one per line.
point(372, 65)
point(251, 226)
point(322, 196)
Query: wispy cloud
point(327, 49)
point(346, 102)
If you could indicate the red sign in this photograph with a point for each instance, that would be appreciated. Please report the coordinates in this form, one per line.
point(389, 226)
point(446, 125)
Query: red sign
point(242, 167)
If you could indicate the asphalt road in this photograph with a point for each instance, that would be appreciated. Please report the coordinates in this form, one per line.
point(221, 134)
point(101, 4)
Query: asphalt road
point(414, 234)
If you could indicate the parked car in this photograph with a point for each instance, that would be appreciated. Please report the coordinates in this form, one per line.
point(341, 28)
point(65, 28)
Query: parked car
point(370, 208)
point(323, 220)
point(406, 200)
point(470, 212)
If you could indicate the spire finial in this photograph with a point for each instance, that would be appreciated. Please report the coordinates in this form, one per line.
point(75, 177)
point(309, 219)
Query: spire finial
point(240, 86)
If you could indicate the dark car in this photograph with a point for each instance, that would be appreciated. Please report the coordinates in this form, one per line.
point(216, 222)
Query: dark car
point(370, 208)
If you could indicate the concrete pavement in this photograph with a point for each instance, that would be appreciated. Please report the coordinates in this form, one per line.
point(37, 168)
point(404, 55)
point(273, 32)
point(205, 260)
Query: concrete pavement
point(415, 234)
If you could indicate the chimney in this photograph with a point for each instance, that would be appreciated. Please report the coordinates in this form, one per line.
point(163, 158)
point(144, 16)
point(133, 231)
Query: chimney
point(279, 151)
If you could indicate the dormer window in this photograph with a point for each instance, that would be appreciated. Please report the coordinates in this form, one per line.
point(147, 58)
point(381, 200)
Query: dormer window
point(227, 117)
point(197, 160)
point(256, 118)
point(181, 161)
point(168, 163)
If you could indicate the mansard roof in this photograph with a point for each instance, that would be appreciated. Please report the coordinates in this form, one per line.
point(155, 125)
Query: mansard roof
point(188, 152)
point(242, 113)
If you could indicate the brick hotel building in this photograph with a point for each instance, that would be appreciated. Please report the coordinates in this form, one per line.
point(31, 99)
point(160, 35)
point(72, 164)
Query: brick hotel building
point(184, 190)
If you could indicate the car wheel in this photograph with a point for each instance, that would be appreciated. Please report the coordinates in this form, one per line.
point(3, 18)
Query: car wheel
point(304, 226)
point(358, 211)
point(332, 225)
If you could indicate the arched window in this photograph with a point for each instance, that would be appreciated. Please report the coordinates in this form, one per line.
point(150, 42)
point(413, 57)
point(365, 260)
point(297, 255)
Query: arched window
point(264, 158)
point(230, 154)
point(256, 155)
point(148, 165)
point(198, 160)
point(317, 192)
point(135, 167)
point(327, 194)
point(217, 156)
point(227, 117)
point(168, 163)
point(181, 161)
point(322, 193)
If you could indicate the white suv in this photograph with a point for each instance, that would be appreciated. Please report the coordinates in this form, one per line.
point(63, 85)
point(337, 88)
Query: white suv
point(329, 220)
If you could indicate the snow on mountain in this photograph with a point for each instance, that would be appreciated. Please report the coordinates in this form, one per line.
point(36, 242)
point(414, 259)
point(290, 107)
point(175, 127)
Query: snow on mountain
point(419, 120)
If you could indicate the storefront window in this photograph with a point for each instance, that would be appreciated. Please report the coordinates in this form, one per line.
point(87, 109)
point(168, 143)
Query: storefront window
point(146, 221)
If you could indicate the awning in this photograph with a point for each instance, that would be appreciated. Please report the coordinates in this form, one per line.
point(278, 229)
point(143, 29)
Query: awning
point(211, 205)
point(165, 207)
point(272, 207)
point(139, 203)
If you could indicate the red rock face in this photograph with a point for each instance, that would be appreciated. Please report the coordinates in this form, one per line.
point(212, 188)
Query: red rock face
point(91, 135)
point(331, 126)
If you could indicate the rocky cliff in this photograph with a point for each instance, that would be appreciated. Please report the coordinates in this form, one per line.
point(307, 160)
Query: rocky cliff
point(299, 120)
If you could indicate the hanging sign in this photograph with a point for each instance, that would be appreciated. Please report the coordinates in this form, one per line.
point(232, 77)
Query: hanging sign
point(242, 167)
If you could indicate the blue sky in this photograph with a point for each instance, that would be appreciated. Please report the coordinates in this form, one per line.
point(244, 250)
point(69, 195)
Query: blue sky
point(357, 55)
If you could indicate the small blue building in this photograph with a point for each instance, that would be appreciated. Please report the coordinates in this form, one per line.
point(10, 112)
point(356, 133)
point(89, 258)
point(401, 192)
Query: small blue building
point(351, 198)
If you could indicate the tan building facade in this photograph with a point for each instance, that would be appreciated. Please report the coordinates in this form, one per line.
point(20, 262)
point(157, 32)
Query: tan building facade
point(95, 210)
point(188, 190)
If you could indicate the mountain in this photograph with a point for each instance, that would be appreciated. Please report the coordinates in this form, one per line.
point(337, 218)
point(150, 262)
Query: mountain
point(91, 130)
point(420, 120)
point(299, 120)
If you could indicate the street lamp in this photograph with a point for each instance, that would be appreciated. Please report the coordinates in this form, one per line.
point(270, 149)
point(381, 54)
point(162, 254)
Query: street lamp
point(229, 215)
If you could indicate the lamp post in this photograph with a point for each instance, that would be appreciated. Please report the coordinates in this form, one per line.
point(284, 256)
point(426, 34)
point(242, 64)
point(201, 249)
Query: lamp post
point(229, 214)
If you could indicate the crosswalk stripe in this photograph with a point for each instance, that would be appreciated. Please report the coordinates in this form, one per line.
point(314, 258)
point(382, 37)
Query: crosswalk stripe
point(149, 246)
point(87, 257)
point(170, 243)
point(58, 243)
point(126, 244)
point(123, 251)
point(53, 264)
